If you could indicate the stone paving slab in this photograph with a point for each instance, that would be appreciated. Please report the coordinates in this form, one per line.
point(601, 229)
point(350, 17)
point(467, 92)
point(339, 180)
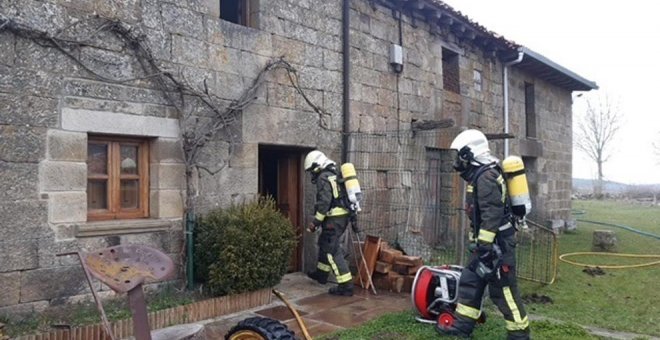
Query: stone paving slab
point(321, 312)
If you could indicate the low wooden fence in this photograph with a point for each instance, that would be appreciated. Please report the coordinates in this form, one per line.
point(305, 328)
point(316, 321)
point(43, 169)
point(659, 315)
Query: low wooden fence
point(194, 312)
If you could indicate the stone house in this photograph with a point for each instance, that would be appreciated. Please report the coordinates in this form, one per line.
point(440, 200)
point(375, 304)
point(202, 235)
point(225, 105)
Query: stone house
point(92, 147)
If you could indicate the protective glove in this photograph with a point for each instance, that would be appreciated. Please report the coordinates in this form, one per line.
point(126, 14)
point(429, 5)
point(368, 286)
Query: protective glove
point(355, 227)
point(314, 226)
point(486, 253)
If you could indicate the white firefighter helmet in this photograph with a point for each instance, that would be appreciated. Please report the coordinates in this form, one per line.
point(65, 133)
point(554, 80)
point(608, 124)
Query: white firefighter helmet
point(471, 145)
point(316, 160)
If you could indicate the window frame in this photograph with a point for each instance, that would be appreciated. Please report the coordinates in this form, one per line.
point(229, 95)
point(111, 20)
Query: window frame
point(531, 128)
point(114, 177)
point(478, 80)
point(246, 12)
point(451, 71)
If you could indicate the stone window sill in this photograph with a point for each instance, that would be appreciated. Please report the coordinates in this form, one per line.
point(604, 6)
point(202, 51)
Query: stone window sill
point(122, 227)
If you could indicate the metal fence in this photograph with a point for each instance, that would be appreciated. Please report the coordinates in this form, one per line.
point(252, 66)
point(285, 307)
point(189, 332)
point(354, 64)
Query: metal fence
point(536, 254)
point(414, 199)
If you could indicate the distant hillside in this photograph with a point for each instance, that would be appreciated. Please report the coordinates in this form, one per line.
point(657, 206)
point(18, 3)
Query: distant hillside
point(581, 185)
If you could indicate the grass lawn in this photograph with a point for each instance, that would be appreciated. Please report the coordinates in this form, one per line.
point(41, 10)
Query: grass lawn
point(621, 300)
point(402, 326)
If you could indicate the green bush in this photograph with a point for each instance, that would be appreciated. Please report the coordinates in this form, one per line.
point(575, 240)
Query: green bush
point(243, 248)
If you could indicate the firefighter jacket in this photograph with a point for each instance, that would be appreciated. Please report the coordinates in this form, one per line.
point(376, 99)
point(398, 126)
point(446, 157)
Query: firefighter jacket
point(487, 205)
point(329, 196)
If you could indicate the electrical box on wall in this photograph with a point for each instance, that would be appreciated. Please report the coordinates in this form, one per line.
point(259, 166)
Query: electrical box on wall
point(396, 57)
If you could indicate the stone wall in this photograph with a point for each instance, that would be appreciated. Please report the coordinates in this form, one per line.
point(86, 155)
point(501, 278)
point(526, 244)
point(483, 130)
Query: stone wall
point(548, 157)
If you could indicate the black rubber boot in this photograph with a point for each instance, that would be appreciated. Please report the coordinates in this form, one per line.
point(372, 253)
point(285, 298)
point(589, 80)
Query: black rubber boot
point(518, 335)
point(319, 276)
point(461, 327)
point(343, 289)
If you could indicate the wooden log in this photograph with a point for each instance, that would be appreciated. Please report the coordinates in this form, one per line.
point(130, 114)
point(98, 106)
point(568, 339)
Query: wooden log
point(381, 281)
point(383, 267)
point(396, 282)
point(413, 270)
point(400, 268)
point(408, 283)
point(389, 255)
point(410, 261)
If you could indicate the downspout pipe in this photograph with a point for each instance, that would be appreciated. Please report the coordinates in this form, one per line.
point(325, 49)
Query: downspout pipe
point(505, 77)
point(346, 75)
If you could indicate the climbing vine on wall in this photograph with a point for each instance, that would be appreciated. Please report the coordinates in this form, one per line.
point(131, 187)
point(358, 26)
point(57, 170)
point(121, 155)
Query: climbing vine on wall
point(218, 116)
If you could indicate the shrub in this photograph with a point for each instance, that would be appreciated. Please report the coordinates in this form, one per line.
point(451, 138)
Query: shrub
point(243, 248)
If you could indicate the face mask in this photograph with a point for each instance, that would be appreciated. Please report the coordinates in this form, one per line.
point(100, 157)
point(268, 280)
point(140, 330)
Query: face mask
point(461, 165)
point(315, 176)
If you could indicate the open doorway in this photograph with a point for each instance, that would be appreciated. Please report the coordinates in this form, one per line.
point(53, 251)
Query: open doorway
point(281, 176)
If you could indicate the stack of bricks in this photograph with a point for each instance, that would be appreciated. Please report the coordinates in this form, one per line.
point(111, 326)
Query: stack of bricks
point(395, 271)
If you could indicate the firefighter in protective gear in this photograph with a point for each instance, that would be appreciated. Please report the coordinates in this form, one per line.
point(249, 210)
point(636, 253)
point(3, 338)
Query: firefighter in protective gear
point(331, 216)
point(492, 239)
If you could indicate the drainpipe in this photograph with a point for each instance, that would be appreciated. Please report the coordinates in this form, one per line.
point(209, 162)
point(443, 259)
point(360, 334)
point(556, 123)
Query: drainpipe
point(346, 69)
point(505, 77)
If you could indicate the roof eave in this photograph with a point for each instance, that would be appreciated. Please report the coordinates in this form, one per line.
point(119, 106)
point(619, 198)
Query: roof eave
point(562, 75)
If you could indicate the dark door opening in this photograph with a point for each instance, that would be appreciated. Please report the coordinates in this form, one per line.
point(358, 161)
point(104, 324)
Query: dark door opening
point(280, 176)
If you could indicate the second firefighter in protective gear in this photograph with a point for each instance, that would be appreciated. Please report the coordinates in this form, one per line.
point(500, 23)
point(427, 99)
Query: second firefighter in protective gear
point(492, 238)
point(332, 217)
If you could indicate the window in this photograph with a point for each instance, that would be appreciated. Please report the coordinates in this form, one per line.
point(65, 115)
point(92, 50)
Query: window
point(117, 178)
point(530, 111)
point(450, 78)
point(240, 12)
point(476, 77)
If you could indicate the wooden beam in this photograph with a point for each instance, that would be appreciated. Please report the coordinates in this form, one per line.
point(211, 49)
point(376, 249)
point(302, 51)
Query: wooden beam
point(492, 136)
point(458, 28)
point(419, 5)
point(447, 20)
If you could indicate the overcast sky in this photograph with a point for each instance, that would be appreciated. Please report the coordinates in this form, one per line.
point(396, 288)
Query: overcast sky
point(614, 43)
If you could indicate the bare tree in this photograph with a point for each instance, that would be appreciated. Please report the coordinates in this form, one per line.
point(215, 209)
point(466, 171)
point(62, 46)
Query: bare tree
point(656, 148)
point(595, 133)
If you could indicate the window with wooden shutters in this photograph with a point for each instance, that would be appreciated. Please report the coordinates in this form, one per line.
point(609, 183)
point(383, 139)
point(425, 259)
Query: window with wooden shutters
point(117, 178)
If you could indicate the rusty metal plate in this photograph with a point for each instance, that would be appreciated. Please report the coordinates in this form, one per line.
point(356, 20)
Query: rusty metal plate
point(124, 267)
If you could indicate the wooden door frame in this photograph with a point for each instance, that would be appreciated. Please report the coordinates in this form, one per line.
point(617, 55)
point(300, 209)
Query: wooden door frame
point(299, 153)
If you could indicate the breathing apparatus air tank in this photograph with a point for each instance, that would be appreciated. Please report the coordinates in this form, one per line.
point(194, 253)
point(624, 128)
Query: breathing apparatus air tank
point(516, 182)
point(352, 185)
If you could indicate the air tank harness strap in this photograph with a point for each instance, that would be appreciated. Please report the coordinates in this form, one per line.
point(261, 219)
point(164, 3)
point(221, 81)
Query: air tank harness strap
point(473, 185)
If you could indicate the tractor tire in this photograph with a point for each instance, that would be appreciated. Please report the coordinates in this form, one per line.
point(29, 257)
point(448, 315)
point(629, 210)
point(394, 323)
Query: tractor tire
point(260, 328)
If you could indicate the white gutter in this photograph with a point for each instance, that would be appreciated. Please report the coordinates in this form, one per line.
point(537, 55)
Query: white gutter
point(505, 77)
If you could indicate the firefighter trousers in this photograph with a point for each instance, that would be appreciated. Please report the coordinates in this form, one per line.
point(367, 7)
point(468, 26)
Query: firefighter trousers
point(331, 255)
point(503, 290)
